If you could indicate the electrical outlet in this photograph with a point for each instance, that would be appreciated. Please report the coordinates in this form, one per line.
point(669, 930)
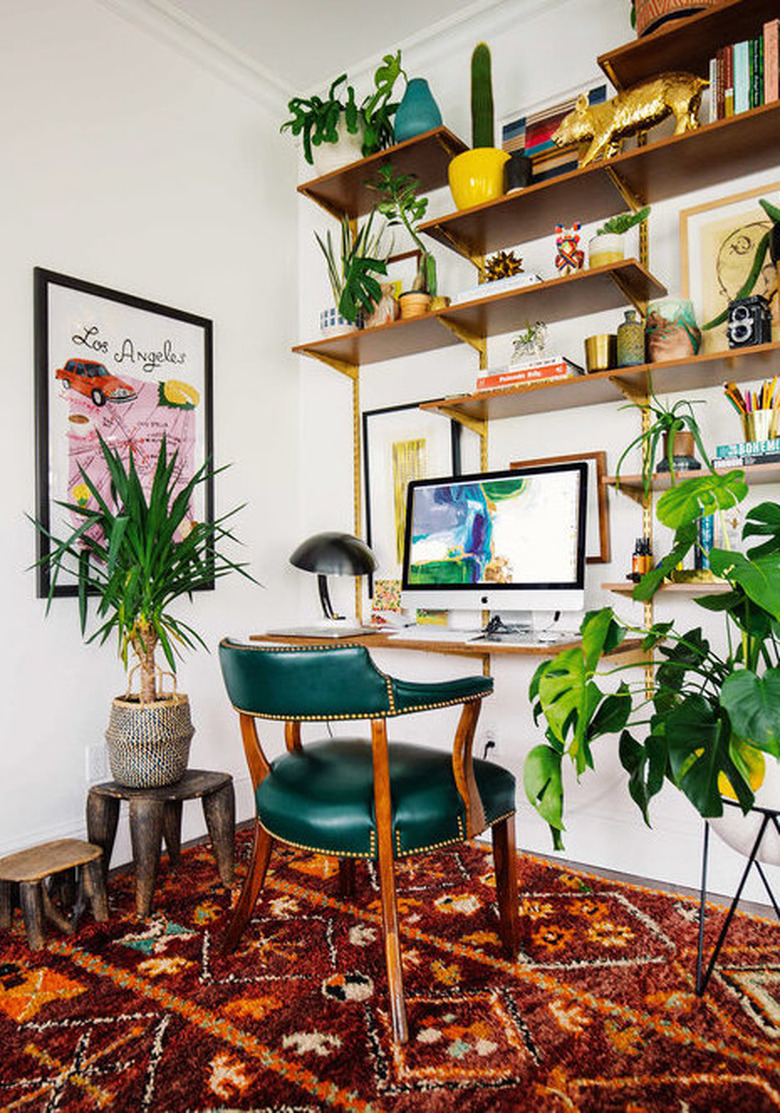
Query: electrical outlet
point(487, 743)
point(97, 763)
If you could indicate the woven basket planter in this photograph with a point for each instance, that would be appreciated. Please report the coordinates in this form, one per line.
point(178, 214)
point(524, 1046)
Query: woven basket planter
point(652, 14)
point(149, 744)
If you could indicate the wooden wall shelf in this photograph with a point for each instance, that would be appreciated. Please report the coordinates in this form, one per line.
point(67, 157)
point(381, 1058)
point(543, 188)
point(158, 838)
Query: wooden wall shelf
point(586, 291)
point(700, 371)
point(632, 485)
point(344, 191)
point(671, 166)
point(687, 44)
point(697, 588)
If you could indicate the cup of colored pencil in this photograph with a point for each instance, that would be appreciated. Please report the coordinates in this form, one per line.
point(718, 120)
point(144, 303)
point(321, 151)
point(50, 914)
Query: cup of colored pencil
point(759, 410)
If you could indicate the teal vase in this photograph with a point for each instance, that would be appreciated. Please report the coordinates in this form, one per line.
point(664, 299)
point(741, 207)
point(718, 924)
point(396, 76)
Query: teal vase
point(417, 112)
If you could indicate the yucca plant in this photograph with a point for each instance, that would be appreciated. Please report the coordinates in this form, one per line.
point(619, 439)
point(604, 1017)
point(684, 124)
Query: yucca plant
point(136, 555)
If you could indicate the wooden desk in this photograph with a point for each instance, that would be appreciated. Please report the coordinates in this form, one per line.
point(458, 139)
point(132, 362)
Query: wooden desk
point(485, 650)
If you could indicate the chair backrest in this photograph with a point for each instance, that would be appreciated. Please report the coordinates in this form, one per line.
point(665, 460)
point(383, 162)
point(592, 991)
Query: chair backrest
point(304, 682)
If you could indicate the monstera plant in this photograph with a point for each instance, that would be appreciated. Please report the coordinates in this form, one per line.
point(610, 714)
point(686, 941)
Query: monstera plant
point(712, 714)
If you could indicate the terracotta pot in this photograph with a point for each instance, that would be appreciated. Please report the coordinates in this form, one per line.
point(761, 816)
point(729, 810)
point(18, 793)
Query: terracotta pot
point(477, 176)
point(683, 453)
point(414, 303)
point(651, 14)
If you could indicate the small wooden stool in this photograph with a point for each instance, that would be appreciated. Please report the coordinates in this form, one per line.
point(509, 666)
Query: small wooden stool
point(29, 869)
point(156, 813)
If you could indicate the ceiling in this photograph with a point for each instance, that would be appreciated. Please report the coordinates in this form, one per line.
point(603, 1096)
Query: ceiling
point(304, 44)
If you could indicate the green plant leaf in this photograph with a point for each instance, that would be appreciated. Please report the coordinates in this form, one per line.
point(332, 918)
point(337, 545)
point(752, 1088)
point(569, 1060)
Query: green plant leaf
point(684, 540)
point(753, 706)
point(759, 578)
point(645, 765)
point(763, 521)
point(698, 746)
point(543, 785)
point(688, 500)
point(758, 262)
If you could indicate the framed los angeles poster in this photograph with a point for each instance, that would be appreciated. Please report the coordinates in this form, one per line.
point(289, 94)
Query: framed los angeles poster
point(114, 366)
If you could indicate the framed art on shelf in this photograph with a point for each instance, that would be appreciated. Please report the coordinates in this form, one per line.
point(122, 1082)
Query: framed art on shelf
point(401, 443)
point(718, 242)
point(114, 366)
point(597, 540)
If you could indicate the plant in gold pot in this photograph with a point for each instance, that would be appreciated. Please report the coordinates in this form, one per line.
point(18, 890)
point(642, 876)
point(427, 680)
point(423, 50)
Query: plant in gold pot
point(477, 175)
point(135, 555)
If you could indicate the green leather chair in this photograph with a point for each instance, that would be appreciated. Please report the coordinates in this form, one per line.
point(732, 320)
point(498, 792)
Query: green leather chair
point(362, 796)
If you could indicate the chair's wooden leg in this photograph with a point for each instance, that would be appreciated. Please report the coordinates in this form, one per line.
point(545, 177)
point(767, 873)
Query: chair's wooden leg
point(505, 867)
point(346, 877)
point(384, 827)
point(253, 883)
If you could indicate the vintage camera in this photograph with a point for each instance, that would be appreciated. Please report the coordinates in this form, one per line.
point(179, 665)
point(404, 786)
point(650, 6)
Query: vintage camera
point(750, 322)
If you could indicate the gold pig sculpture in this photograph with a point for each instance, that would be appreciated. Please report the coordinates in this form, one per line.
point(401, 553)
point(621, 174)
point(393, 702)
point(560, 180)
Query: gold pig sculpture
point(631, 112)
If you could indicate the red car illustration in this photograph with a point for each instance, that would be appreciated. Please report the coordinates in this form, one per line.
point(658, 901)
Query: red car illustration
point(96, 381)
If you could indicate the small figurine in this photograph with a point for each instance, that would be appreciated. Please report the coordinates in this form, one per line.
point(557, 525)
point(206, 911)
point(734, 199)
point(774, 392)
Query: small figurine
point(503, 264)
point(635, 110)
point(530, 343)
point(568, 255)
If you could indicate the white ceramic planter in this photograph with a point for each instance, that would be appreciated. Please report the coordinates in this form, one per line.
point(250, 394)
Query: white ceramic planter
point(609, 247)
point(739, 831)
point(332, 156)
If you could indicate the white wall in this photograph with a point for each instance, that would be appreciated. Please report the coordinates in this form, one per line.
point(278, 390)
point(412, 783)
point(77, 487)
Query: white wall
point(128, 164)
point(540, 51)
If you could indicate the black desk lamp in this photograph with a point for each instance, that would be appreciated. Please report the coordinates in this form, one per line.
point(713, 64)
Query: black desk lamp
point(339, 554)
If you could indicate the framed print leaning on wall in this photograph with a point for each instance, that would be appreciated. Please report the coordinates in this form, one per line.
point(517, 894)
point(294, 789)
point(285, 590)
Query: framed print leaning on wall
point(718, 243)
point(598, 549)
point(115, 366)
point(401, 443)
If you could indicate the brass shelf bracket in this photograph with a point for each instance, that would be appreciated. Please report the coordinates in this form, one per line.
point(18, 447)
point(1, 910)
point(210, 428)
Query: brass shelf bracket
point(351, 370)
point(635, 390)
point(474, 339)
point(477, 425)
point(633, 200)
point(639, 304)
point(461, 248)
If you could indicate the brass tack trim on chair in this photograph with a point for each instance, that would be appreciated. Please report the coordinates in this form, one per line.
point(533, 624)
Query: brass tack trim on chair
point(391, 713)
point(371, 853)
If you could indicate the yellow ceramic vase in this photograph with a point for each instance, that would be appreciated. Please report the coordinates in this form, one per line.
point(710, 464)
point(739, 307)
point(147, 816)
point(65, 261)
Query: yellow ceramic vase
point(477, 176)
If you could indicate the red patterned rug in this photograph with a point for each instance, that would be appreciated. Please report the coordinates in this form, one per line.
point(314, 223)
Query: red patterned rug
point(598, 1014)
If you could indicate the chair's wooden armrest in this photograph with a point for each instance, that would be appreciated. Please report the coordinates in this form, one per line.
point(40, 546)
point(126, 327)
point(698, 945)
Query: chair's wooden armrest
point(463, 768)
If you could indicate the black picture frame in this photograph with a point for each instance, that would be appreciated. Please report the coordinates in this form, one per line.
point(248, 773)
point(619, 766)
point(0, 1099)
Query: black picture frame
point(380, 425)
point(79, 327)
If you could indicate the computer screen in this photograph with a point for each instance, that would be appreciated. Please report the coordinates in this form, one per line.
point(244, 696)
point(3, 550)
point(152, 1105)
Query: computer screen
point(510, 540)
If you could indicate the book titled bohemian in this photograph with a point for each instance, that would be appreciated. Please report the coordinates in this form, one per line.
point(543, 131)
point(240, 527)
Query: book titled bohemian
point(529, 371)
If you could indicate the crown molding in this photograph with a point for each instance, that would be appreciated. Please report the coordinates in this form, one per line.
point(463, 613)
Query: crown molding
point(166, 21)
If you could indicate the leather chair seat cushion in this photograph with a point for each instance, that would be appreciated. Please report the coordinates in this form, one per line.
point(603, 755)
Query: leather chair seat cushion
point(322, 797)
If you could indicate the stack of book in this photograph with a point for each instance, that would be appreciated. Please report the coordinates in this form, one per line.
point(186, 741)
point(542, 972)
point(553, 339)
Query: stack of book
point(497, 286)
point(529, 371)
point(745, 74)
point(744, 453)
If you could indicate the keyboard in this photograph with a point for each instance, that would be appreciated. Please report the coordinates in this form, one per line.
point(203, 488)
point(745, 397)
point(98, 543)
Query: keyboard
point(528, 638)
point(433, 634)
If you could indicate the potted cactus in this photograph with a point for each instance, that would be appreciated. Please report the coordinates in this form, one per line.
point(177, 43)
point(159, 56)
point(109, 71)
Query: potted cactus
point(477, 175)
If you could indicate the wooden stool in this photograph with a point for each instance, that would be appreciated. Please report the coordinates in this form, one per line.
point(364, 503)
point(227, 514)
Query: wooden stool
point(155, 813)
point(29, 869)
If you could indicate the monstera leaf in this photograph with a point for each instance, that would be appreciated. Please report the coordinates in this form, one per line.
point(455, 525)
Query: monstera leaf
point(753, 705)
point(687, 501)
point(697, 737)
point(543, 785)
point(759, 577)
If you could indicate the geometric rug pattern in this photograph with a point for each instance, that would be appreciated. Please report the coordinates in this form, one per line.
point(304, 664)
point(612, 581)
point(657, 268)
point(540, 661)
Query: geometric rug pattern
point(598, 1014)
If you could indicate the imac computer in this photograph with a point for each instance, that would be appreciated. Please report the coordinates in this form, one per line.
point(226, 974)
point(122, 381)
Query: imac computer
point(502, 541)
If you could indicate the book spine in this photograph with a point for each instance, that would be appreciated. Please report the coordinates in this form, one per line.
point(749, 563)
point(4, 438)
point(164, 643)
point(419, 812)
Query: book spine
point(720, 85)
point(724, 463)
point(728, 80)
point(771, 56)
point(741, 55)
point(529, 375)
point(756, 72)
point(706, 537)
point(750, 448)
